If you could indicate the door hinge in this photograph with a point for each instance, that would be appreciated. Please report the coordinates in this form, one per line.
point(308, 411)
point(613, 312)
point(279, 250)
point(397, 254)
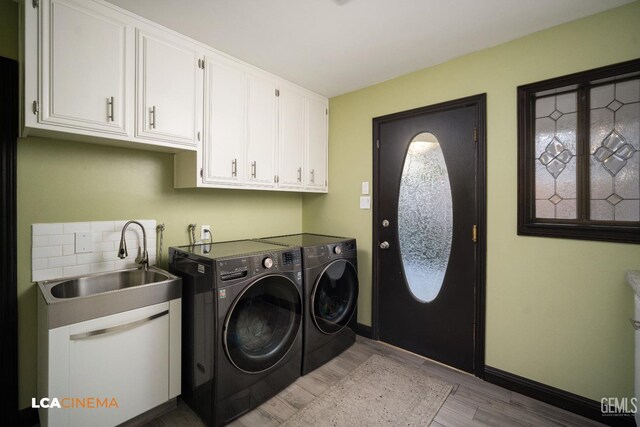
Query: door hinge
point(201, 173)
point(34, 107)
point(326, 111)
point(377, 143)
point(474, 233)
point(35, 3)
point(475, 134)
point(277, 92)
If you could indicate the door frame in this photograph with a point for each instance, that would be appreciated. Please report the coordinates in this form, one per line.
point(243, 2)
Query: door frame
point(9, 76)
point(480, 102)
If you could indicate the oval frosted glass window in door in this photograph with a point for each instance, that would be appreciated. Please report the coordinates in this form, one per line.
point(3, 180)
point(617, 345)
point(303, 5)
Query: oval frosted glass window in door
point(425, 217)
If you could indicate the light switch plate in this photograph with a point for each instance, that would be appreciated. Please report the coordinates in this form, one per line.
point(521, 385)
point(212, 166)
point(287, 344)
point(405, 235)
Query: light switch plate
point(365, 202)
point(365, 187)
point(84, 243)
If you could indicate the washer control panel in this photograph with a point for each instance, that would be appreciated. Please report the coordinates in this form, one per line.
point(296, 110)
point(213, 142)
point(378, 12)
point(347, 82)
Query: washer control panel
point(323, 253)
point(267, 263)
point(253, 265)
point(264, 262)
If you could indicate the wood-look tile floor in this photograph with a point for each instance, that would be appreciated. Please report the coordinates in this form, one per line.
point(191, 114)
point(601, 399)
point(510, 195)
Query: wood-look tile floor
point(472, 402)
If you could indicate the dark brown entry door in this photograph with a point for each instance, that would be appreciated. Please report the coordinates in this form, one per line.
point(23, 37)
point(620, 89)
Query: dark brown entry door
point(426, 214)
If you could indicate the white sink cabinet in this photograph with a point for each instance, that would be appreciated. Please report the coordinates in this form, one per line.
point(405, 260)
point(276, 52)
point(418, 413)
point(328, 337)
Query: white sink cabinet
point(132, 358)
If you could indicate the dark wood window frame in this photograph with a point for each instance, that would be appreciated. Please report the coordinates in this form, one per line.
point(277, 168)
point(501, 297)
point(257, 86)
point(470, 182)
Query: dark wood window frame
point(582, 227)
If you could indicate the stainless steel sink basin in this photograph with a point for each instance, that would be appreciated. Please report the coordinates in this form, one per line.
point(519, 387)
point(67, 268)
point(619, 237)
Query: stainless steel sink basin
point(91, 285)
point(73, 300)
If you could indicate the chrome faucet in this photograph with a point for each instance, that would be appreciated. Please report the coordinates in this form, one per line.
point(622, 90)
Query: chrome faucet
point(122, 251)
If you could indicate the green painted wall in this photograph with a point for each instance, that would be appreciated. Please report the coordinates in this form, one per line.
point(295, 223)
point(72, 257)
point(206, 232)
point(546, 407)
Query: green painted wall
point(61, 181)
point(9, 29)
point(557, 310)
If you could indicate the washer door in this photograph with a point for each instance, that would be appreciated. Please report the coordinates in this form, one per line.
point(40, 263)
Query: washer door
point(335, 296)
point(263, 323)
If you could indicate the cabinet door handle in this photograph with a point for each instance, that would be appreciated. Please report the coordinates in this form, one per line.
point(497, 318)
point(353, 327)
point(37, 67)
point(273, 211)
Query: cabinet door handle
point(117, 328)
point(234, 168)
point(313, 176)
point(299, 174)
point(253, 169)
point(152, 119)
point(110, 109)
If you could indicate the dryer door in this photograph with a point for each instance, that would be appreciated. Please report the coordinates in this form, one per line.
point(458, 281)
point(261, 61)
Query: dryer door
point(335, 296)
point(263, 323)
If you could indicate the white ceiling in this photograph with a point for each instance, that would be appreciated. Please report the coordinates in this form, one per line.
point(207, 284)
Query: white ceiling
point(337, 46)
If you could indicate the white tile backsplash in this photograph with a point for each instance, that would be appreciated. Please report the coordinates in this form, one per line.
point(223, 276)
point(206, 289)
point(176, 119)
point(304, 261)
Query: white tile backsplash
point(53, 248)
point(46, 229)
point(46, 252)
point(39, 241)
point(76, 270)
point(40, 263)
point(74, 227)
point(61, 239)
point(46, 274)
point(62, 261)
point(102, 267)
point(103, 226)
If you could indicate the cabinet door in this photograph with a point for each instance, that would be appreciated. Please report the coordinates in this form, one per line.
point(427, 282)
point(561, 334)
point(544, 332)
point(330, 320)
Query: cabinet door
point(225, 121)
point(85, 69)
point(292, 137)
point(316, 176)
point(262, 129)
point(123, 356)
point(169, 84)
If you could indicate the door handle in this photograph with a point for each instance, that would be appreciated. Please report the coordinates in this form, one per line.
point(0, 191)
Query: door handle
point(384, 245)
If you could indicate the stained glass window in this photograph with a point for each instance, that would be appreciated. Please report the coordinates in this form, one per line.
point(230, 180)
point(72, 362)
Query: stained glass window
point(579, 155)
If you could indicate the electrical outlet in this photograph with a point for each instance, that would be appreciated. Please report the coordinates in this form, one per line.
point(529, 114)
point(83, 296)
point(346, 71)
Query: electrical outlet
point(205, 233)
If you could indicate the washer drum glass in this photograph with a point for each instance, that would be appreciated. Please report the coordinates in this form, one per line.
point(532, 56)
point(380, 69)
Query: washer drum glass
point(335, 296)
point(263, 323)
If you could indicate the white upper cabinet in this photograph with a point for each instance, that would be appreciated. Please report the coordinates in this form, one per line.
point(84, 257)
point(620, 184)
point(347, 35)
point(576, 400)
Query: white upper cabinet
point(317, 155)
point(225, 121)
point(292, 137)
point(94, 72)
point(262, 119)
point(86, 69)
point(169, 92)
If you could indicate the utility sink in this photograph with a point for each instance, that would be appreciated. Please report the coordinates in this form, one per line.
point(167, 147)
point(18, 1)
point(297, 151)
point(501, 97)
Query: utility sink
point(91, 285)
point(88, 297)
